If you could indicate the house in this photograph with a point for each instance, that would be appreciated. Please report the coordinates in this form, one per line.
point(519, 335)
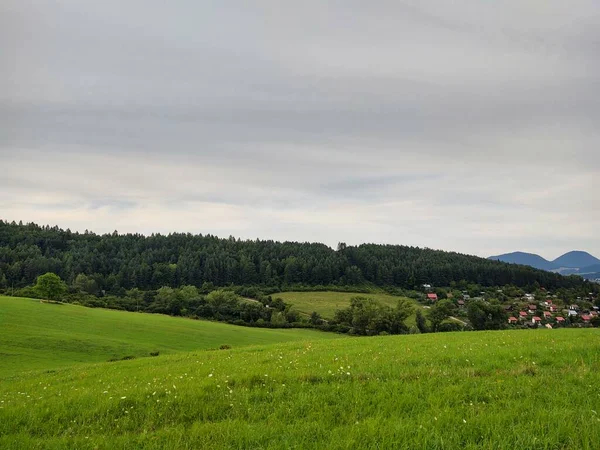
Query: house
point(560, 319)
point(507, 307)
point(553, 308)
point(548, 303)
point(586, 317)
point(512, 320)
point(572, 313)
point(532, 309)
point(432, 297)
point(522, 315)
point(536, 320)
point(574, 307)
point(547, 315)
point(461, 303)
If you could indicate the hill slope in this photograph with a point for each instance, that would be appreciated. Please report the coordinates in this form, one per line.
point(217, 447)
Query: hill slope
point(121, 262)
point(36, 335)
point(457, 390)
point(327, 303)
point(526, 259)
point(576, 259)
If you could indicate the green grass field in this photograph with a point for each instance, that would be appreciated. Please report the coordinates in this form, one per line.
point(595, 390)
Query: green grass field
point(327, 303)
point(36, 335)
point(491, 390)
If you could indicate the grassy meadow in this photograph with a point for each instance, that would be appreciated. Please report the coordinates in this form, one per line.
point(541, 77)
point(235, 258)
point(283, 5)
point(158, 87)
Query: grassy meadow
point(276, 389)
point(500, 390)
point(36, 335)
point(327, 303)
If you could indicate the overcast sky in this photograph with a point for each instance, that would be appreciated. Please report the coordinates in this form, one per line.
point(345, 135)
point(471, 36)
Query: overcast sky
point(462, 125)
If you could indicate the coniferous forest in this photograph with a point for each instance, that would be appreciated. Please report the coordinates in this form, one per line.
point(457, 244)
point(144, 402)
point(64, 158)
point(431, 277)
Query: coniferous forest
point(113, 263)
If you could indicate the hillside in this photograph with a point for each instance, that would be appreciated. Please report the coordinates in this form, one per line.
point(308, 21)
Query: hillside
point(576, 259)
point(502, 390)
point(527, 259)
point(327, 303)
point(575, 262)
point(36, 335)
point(116, 263)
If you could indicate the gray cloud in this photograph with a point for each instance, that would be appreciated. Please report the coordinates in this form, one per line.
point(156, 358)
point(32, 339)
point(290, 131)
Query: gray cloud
point(468, 126)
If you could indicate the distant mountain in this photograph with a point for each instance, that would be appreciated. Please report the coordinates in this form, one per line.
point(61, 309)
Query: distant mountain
point(576, 259)
point(575, 262)
point(594, 268)
point(526, 259)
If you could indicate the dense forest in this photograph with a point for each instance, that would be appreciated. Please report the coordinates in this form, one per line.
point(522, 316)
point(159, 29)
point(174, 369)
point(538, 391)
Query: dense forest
point(113, 263)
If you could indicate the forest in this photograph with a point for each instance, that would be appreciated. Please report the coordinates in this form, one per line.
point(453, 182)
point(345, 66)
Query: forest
point(114, 263)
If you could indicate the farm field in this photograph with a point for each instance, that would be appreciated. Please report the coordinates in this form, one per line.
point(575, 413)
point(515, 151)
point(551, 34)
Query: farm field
point(502, 390)
point(36, 335)
point(327, 303)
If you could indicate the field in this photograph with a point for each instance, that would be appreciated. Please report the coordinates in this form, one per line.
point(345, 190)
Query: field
point(501, 390)
point(327, 303)
point(519, 389)
point(36, 335)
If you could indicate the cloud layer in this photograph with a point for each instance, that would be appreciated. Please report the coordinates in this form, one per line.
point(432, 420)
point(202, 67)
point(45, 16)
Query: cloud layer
point(466, 126)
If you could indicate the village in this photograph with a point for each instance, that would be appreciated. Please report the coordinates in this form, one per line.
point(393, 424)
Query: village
point(528, 310)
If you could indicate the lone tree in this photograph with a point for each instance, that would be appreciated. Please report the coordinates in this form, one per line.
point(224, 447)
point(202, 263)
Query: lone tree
point(50, 286)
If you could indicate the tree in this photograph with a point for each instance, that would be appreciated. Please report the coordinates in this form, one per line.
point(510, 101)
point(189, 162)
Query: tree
point(50, 286)
point(315, 318)
point(86, 284)
point(421, 322)
point(485, 316)
point(440, 312)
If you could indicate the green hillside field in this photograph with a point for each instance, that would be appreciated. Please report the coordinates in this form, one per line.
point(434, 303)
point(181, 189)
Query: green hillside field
point(502, 390)
point(326, 303)
point(36, 335)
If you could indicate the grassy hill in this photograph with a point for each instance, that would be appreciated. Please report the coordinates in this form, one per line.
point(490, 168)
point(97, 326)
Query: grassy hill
point(327, 303)
point(501, 390)
point(36, 335)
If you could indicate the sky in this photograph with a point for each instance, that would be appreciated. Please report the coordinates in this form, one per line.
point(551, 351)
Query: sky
point(463, 125)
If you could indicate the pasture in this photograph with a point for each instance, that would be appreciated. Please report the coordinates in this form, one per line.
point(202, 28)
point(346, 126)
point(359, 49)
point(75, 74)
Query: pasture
point(327, 303)
point(36, 335)
point(501, 390)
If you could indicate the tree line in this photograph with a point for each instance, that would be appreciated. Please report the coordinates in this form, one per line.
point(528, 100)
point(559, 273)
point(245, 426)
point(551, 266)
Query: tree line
point(112, 264)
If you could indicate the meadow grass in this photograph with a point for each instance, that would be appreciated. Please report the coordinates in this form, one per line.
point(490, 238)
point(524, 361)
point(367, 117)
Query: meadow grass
point(326, 303)
point(36, 335)
point(516, 389)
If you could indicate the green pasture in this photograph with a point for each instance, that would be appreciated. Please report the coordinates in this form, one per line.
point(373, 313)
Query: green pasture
point(36, 335)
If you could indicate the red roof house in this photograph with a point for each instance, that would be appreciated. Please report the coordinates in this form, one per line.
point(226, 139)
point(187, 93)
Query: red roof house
point(512, 320)
point(559, 319)
point(536, 319)
point(547, 315)
point(586, 317)
point(522, 314)
point(432, 297)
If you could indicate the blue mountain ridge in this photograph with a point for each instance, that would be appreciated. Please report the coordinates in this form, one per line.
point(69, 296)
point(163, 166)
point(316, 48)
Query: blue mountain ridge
point(574, 262)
